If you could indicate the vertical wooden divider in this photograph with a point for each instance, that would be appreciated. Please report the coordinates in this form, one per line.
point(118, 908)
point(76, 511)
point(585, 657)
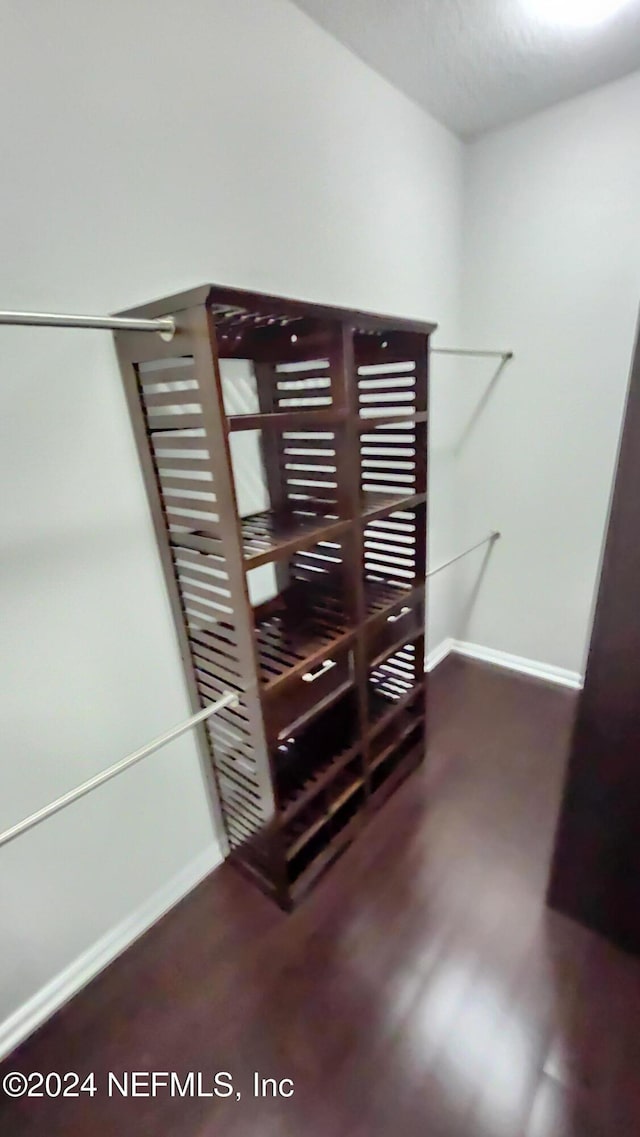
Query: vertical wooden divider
point(346, 378)
point(422, 479)
point(271, 450)
point(208, 371)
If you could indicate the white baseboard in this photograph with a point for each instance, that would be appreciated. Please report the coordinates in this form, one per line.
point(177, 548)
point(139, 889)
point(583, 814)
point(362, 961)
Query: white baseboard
point(438, 653)
point(532, 667)
point(73, 978)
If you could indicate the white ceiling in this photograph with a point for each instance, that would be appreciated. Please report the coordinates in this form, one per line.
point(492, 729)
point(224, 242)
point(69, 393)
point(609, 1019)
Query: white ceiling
point(477, 64)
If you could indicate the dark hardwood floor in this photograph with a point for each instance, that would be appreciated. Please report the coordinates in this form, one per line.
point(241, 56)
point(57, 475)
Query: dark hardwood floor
point(423, 989)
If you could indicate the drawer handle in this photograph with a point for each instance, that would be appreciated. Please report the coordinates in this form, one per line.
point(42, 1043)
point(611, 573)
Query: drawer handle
point(310, 676)
point(398, 615)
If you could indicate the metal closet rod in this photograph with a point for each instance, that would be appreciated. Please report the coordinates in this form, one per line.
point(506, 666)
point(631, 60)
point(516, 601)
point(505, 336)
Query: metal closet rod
point(504, 355)
point(229, 699)
point(165, 327)
point(489, 539)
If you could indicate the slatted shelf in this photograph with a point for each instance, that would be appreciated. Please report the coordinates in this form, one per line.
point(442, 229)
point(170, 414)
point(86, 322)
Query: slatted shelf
point(306, 786)
point(287, 420)
point(304, 826)
point(403, 418)
point(383, 597)
point(308, 761)
point(392, 685)
point(388, 776)
point(323, 857)
point(297, 721)
point(378, 504)
point(310, 820)
point(391, 658)
point(298, 632)
point(407, 725)
point(274, 534)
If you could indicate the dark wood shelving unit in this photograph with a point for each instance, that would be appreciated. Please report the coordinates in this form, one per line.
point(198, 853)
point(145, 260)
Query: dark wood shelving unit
point(329, 667)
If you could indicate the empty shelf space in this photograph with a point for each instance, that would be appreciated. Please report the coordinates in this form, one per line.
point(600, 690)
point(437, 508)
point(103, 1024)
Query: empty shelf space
point(382, 712)
point(275, 534)
point(382, 596)
point(393, 684)
point(290, 717)
point(318, 855)
point(407, 724)
point(299, 630)
point(399, 645)
point(305, 784)
point(309, 821)
point(398, 765)
point(317, 831)
point(309, 759)
point(379, 504)
point(303, 827)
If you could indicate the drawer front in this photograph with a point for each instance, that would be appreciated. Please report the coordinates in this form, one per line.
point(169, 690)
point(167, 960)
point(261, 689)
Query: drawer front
point(305, 693)
point(399, 627)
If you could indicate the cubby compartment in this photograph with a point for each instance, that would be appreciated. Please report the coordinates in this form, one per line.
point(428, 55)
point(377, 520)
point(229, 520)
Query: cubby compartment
point(395, 761)
point(308, 761)
point(393, 683)
point(393, 560)
point(329, 837)
point(392, 428)
point(274, 363)
point(289, 488)
point(283, 446)
point(401, 625)
point(308, 694)
point(304, 618)
point(384, 742)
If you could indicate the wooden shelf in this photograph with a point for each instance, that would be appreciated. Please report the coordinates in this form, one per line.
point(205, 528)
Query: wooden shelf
point(309, 828)
point(383, 711)
point(366, 423)
point(403, 639)
point(287, 420)
point(332, 850)
point(307, 717)
point(382, 597)
point(307, 831)
point(276, 534)
point(405, 766)
point(404, 732)
point(300, 630)
point(312, 784)
point(376, 504)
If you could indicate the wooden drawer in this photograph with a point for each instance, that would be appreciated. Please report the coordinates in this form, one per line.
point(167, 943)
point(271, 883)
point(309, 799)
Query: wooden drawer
point(399, 628)
point(307, 694)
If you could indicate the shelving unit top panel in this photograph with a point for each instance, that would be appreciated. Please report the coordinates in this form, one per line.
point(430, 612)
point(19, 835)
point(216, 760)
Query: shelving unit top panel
point(221, 299)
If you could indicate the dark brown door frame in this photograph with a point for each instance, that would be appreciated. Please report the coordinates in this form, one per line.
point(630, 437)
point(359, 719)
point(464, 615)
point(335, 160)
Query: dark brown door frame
point(595, 875)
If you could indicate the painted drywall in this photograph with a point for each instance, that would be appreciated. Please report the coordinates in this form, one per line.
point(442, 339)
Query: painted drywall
point(147, 148)
point(551, 270)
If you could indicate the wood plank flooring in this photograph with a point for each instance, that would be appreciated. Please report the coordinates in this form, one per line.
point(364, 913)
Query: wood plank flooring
point(423, 989)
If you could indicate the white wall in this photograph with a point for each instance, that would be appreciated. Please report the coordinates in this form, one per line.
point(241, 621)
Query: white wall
point(148, 147)
point(552, 271)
